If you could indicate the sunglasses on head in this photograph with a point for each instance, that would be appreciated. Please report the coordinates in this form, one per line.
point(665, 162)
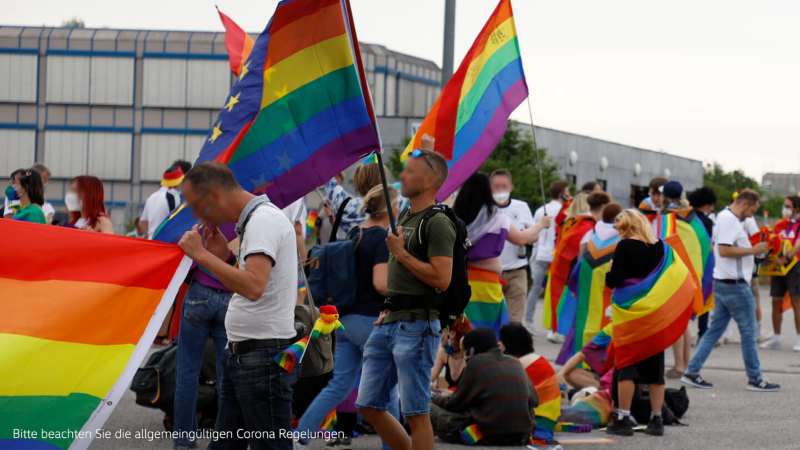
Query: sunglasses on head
point(417, 153)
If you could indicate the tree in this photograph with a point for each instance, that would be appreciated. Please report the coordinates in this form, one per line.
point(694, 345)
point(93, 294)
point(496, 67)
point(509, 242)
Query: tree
point(393, 164)
point(74, 22)
point(725, 184)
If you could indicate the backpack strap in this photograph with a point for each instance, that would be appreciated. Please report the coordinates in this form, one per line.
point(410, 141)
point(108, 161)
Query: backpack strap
point(338, 220)
point(170, 201)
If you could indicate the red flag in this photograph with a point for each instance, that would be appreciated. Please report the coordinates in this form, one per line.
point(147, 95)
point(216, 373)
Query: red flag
point(237, 42)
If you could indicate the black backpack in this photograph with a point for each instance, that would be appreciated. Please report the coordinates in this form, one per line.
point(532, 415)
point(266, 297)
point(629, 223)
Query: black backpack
point(456, 297)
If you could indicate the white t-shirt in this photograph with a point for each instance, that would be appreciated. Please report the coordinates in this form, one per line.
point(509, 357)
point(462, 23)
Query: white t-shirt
point(513, 256)
point(47, 209)
point(750, 226)
point(271, 316)
point(297, 212)
point(547, 238)
point(731, 231)
point(156, 208)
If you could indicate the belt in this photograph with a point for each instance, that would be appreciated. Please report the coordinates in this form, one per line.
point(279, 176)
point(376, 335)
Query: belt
point(730, 281)
point(408, 302)
point(242, 347)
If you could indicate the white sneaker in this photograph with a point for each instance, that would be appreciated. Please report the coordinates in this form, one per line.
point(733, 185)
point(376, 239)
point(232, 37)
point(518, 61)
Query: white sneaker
point(560, 338)
point(530, 327)
point(796, 346)
point(552, 337)
point(771, 344)
point(764, 337)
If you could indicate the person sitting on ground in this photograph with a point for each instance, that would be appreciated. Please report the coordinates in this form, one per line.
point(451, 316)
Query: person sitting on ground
point(516, 341)
point(494, 392)
point(29, 189)
point(594, 355)
point(451, 356)
point(85, 202)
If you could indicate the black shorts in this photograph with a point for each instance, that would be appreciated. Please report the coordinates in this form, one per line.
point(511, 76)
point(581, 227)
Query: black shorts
point(791, 282)
point(648, 371)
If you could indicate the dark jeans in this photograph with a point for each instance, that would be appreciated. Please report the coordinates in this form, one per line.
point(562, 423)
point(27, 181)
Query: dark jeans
point(203, 315)
point(256, 396)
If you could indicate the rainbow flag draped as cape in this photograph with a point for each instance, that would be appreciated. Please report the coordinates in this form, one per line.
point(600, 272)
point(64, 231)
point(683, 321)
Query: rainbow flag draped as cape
point(650, 315)
point(299, 112)
point(292, 355)
point(686, 234)
point(596, 351)
point(77, 319)
point(238, 43)
point(487, 306)
point(545, 380)
point(471, 114)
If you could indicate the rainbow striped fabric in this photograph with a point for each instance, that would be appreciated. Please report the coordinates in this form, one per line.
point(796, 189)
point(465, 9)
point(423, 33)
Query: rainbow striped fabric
point(545, 381)
point(471, 114)
point(596, 350)
point(686, 234)
point(311, 222)
point(330, 421)
point(571, 427)
point(77, 319)
point(471, 435)
point(567, 248)
point(594, 410)
point(487, 306)
point(238, 43)
point(292, 355)
point(370, 159)
point(299, 112)
point(650, 315)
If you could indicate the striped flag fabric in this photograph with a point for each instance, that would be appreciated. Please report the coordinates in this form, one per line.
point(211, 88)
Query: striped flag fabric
point(471, 435)
point(330, 421)
point(311, 222)
point(77, 319)
point(292, 355)
point(471, 114)
point(487, 306)
point(300, 111)
point(238, 43)
point(545, 380)
point(650, 315)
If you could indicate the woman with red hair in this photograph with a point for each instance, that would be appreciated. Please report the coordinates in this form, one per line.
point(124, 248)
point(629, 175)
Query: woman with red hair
point(451, 356)
point(86, 205)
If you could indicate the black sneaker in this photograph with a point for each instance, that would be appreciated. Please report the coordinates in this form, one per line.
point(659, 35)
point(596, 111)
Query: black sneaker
point(696, 381)
point(345, 444)
point(621, 427)
point(332, 444)
point(655, 427)
point(762, 386)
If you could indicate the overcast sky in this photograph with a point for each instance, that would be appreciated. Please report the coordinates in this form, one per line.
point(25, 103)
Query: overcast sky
point(714, 80)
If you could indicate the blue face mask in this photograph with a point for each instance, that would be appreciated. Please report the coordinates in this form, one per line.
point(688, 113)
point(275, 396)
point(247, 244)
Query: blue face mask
point(11, 194)
point(448, 348)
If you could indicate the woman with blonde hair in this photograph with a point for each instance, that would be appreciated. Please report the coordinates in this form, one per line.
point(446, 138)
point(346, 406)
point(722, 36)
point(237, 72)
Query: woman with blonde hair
point(579, 207)
point(365, 178)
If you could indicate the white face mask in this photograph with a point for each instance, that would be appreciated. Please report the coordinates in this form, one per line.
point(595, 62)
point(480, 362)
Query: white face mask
point(73, 203)
point(501, 197)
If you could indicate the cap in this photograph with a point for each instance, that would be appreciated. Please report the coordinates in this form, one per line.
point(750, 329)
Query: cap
point(673, 189)
point(172, 177)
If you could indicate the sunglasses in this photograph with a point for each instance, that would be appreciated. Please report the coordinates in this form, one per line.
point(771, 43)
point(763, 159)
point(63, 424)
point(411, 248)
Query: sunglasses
point(417, 153)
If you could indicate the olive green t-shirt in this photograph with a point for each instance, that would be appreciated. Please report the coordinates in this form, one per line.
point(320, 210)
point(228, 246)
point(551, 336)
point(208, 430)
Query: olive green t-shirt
point(440, 234)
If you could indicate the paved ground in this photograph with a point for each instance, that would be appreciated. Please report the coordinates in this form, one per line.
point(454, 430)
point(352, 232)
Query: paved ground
point(726, 417)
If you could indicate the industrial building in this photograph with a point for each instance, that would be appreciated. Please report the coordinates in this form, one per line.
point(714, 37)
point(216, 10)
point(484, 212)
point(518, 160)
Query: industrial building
point(123, 104)
point(781, 184)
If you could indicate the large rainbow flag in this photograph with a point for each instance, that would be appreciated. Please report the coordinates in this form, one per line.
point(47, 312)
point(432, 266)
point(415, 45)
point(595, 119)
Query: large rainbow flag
point(77, 319)
point(650, 315)
point(471, 114)
point(545, 380)
point(299, 112)
point(686, 234)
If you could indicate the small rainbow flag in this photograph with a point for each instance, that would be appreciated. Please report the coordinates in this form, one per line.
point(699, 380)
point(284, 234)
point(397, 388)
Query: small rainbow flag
point(302, 288)
point(311, 222)
point(471, 435)
point(330, 421)
point(292, 355)
point(569, 427)
point(373, 157)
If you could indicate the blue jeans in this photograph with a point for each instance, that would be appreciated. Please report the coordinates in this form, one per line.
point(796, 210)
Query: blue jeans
point(255, 397)
point(538, 272)
point(349, 355)
point(203, 315)
point(734, 301)
point(400, 353)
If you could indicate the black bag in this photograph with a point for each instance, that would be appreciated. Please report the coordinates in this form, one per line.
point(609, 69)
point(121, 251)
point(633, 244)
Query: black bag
point(673, 398)
point(455, 299)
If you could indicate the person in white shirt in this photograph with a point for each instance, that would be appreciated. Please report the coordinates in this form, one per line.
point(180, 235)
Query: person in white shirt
point(161, 202)
point(513, 256)
point(543, 254)
point(734, 259)
point(260, 317)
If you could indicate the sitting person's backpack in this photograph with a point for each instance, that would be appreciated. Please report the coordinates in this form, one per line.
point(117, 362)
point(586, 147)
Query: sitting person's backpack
point(455, 299)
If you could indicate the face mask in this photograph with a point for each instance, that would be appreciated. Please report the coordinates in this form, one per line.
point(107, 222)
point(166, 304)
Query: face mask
point(501, 197)
point(787, 212)
point(11, 194)
point(73, 203)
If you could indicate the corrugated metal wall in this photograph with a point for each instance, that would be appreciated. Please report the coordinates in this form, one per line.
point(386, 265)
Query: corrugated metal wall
point(18, 148)
point(18, 78)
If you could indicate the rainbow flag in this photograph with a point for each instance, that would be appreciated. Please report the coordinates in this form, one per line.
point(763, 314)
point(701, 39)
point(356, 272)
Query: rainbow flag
point(567, 248)
point(650, 315)
point(238, 43)
point(471, 114)
point(302, 288)
point(311, 222)
point(596, 350)
point(330, 421)
point(370, 159)
point(594, 410)
point(686, 234)
point(292, 355)
point(77, 319)
point(471, 435)
point(487, 306)
point(571, 427)
point(545, 380)
point(300, 111)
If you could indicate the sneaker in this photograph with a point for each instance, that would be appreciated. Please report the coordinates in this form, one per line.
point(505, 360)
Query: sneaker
point(621, 427)
point(771, 344)
point(345, 444)
point(762, 386)
point(673, 373)
point(552, 337)
point(796, 346)
point(332, 444)
point(559, 338)
point(530, 327)
point(764, 337)
point(655, 427)
point(696, 381)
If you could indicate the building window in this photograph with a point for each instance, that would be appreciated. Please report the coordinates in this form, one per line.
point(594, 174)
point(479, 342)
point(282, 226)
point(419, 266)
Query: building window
point(638, 193)
point(572, 179)
point(603, 184)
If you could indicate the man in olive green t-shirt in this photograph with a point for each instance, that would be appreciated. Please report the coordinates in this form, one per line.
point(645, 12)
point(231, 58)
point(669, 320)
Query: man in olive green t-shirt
point(402, 347)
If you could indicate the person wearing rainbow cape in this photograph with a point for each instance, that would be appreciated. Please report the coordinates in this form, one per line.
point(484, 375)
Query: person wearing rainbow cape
point(651, 306)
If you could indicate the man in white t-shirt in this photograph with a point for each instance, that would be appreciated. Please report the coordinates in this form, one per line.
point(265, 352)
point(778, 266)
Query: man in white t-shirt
point(734, 259)
point(161, 202)
point(260, 317)
point(543, 254)
point(513, 257)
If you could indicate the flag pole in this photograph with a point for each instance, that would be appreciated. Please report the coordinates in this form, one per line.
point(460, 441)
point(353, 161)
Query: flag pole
point(385, 185)
point(538, 159)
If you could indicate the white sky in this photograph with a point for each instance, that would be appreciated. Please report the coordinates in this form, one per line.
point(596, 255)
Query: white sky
point(714, 80)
